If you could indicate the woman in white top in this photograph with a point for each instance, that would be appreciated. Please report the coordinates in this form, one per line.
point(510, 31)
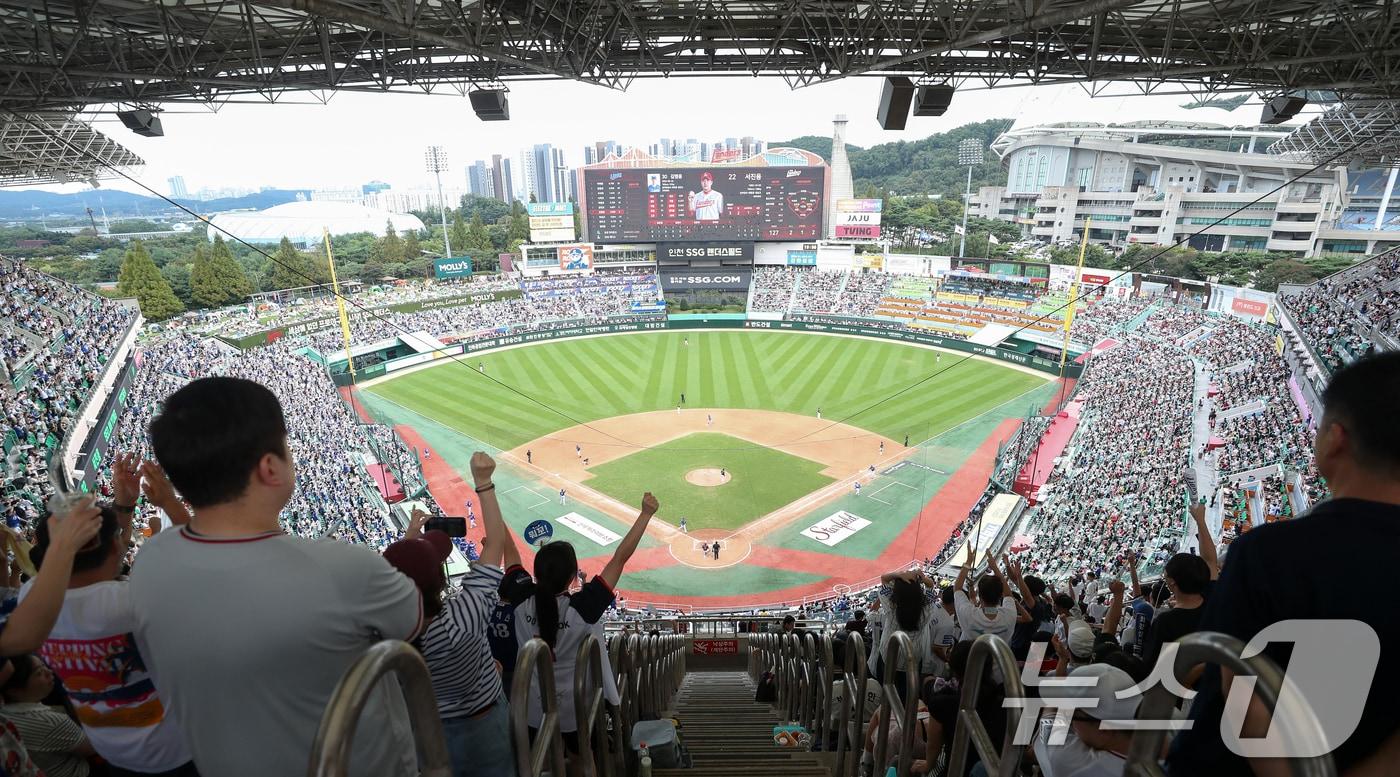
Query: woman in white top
point(545, 609)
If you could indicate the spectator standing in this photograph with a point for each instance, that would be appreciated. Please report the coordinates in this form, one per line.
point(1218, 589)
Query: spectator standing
point(470, 699)
point(1272, 576)
point(995, 611)
point(245, 630)
point(545, 609)
point(91, 647)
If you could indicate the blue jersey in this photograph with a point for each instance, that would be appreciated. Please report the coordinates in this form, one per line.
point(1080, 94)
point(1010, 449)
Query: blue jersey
point(500, 629)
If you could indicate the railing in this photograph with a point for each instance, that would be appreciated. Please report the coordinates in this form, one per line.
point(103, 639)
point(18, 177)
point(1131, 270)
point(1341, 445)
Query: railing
point(1297, 722)
point(547, 751)
point(899, 652)
point(330, 751)
point(1003, 761)
point(854, 675)
point(589, 706)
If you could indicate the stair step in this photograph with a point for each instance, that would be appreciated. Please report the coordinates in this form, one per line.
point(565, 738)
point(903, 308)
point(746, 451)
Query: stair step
point(728, 733)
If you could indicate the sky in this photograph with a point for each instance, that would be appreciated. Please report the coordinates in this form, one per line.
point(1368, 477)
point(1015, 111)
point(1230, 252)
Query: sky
point(355, 137)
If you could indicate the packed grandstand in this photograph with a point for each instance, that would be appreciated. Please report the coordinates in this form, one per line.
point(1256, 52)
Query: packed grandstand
point(1174, 400)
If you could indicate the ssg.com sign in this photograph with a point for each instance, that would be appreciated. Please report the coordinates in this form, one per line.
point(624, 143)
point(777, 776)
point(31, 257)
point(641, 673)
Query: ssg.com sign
point(452, 268)
point(723, 280)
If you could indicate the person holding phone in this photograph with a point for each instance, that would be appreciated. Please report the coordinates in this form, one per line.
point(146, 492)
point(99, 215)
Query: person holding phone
point(470, 697)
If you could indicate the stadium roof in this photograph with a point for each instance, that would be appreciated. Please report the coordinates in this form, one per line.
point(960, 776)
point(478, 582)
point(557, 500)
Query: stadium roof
point(40, 148)
point(1361, 132)
point(303, 222)
point(68, 55)
point(773, 157)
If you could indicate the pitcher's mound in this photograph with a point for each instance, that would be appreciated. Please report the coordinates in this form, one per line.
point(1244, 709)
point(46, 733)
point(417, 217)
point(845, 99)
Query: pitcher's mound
point(707, 477)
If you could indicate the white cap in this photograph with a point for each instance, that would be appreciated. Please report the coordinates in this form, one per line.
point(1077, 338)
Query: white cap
point(1109, 681)
point(1080, 640)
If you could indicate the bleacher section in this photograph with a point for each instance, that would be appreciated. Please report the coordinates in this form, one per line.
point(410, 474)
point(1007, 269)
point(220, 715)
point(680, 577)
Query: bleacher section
point(961, 306)
point(1350, 313)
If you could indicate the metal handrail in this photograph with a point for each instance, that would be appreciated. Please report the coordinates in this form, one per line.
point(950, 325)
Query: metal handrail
point(531, 760)
point(825, 679)
point(330, 751)
point(1001, 762)
point(588, 709)
point(899, 650)
point(855, 695)
point(1298, 722)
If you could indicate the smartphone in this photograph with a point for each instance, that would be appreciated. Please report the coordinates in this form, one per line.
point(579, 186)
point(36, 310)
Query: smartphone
point(452, 526)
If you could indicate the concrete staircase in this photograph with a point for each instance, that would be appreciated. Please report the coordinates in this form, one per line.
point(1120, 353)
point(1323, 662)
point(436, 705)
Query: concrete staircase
point(728, 733)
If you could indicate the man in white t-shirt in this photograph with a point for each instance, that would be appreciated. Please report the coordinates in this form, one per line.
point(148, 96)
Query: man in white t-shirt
point(246, 630)
point(943, 634)
point(995, 611)
point(707, 204)
point(90, 646)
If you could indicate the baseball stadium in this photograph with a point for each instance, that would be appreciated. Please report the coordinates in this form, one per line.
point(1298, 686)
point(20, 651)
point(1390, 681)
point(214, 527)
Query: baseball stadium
point(711, 456)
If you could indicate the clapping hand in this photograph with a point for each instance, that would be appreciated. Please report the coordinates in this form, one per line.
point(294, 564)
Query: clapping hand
point(415, 524)
point(156, 486)
point(126, 479)
point(72, 530)
point(649, 505)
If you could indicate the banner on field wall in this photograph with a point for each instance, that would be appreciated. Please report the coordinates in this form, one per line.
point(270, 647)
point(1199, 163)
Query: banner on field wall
point(835, 528)
point(1249, 307)
point(715, 322)
point(802, 258)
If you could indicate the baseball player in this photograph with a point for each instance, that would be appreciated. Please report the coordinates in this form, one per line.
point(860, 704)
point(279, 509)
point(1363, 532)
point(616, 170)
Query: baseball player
point(707, 204)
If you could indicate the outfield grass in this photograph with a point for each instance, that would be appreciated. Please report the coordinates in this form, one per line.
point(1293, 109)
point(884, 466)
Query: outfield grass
point(761, 480)
point(556, 385)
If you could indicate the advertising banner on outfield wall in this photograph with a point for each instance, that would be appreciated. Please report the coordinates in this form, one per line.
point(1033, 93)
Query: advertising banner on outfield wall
point(551, 222)
point(722, 280)
point(680, 252)
point(453, 267)
point(1249, 307)
point(549, 208)
point(99, 439)
point(802, 258)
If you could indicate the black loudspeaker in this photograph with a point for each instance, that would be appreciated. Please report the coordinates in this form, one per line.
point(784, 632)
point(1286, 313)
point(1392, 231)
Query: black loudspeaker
point(142, 123)
point(1282, 108)
point(895, 99)
point(490, 104)
point(933, 100)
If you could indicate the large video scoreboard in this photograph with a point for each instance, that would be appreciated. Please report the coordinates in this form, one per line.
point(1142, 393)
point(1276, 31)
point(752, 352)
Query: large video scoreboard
point(700, 203)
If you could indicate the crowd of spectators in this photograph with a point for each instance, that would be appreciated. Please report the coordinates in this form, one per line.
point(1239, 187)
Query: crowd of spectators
point(1339, 315)
point(772, 289)
point(862, 294)
point(817, 290)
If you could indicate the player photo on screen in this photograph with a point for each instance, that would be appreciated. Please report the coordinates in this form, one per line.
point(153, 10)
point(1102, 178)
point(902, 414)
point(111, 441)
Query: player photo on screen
point(707, 204)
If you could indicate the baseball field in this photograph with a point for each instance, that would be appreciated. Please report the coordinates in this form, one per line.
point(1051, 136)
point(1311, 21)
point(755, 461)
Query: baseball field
point(814, 460)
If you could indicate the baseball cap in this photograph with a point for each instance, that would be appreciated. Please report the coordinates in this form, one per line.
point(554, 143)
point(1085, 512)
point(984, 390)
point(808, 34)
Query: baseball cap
point(421, 558)
point(1081, 640)
point(1108, 682)
point(707, 176)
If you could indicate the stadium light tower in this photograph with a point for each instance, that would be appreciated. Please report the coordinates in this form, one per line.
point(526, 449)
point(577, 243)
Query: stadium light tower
point(969, 156)
point(437, 162)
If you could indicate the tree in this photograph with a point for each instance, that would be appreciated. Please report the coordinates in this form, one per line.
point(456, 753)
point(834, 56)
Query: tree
point(458, 233)
point(532, 197)
point(139, 278)
point(578, 218)
point(216, 278)
point(178, 276)
point(391, 247)
point(291, 269)
point(412, 249)
point(476, 237)
point(519, 223)
point(1285, 271)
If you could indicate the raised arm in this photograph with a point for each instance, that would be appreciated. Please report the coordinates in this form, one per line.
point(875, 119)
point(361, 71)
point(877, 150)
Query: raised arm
point(1132, 559)
point(493, 545)
point(613, 571)
point(1206, 542)
point(33, 618)
point(961, 582)
point(159, 492)
point(1115, 608)
point(1014, 569)
point(126, 488)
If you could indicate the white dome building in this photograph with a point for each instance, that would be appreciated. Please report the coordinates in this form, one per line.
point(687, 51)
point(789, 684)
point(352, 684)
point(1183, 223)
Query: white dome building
point(303, 222)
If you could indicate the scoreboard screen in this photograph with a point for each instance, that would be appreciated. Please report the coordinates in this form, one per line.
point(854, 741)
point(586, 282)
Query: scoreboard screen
point(699, 203)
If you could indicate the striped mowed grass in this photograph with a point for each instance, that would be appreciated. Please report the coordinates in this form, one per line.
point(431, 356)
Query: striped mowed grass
point(526, 393)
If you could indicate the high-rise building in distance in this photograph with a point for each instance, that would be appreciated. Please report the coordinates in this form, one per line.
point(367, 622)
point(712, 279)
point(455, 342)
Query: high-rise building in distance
point(177, 187)
point(479, 179)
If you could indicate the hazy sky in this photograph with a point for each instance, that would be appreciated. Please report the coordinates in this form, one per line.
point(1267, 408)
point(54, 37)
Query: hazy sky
point(358, 137)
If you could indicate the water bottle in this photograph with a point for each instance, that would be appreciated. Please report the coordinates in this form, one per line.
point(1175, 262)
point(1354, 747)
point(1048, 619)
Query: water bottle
point(644, 769)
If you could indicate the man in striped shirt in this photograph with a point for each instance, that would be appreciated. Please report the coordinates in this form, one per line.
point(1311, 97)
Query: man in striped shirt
point(466, 683)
